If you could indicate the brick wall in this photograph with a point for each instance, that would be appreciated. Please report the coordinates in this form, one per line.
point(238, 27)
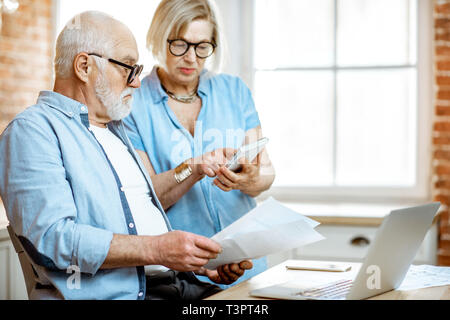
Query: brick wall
point(441, 126)
point(26, 50)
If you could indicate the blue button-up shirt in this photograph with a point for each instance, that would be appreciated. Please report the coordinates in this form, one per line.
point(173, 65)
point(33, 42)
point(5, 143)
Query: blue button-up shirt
point(227, 113)
point(63, 199)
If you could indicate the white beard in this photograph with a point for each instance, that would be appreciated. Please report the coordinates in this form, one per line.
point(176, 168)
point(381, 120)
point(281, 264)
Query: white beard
point(116, 108)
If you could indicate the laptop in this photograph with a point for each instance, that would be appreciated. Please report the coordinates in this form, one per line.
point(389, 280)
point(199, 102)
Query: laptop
point(388, 259)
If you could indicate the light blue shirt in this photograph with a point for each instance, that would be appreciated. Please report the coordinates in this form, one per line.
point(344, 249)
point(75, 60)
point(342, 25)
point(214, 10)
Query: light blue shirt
point(64, 200)
point(227, 112)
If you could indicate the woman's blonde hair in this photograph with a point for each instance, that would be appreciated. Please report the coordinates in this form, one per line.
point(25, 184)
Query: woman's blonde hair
point(171, 19)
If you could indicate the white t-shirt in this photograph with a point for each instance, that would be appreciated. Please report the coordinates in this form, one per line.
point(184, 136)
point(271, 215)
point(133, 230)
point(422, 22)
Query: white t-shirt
point(147, 218)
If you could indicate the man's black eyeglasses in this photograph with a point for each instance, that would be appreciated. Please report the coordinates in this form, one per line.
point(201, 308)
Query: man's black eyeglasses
point(135, 70)
point(179, 47)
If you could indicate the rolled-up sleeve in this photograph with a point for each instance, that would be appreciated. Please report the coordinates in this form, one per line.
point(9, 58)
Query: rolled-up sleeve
point(39, 201)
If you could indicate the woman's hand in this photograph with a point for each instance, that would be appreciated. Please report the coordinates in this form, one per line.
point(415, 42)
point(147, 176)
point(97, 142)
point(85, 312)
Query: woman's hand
point(210, 162)
point(247, 179)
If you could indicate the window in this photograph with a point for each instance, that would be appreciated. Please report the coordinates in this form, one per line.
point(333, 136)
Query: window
point(343, 88)
point(136, 14)
point(342, 92)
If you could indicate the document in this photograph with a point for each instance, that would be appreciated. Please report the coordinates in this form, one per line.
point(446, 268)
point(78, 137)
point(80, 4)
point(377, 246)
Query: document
point(268, 228)
point(425, 276)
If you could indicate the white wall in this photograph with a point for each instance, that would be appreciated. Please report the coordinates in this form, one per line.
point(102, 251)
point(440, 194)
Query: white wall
point(237, 19)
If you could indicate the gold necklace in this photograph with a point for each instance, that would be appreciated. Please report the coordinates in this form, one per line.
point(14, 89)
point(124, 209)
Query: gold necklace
point(189, 98)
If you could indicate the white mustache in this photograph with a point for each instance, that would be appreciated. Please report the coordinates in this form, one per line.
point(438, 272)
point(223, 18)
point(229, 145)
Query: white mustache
point(126, 92)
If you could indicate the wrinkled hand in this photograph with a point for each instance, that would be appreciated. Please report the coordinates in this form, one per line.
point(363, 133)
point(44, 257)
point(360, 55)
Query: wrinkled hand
point(243, 180)
point(183, 251)
point(227, 273)
point(210, 162)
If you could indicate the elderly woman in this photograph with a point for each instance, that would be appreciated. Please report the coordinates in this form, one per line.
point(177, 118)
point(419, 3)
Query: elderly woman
point(186, 120)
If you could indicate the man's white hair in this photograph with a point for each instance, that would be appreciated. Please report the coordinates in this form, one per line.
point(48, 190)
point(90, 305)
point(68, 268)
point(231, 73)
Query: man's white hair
point(85, 32)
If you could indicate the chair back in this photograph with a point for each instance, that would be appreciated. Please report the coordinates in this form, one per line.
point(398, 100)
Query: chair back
point(29, 274)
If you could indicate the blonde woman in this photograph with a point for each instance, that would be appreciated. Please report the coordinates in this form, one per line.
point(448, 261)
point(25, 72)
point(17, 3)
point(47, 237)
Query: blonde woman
point(187, 119)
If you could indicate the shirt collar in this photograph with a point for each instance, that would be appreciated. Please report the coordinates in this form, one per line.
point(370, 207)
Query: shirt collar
point(62, 103)
point(158, 93)
point(72, 108)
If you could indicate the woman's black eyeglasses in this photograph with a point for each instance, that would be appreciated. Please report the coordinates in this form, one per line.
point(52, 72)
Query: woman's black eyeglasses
point(135, 70)
point(179, 47)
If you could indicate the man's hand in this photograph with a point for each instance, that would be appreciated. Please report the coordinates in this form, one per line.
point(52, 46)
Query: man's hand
point(227, 273)
point(182, 251)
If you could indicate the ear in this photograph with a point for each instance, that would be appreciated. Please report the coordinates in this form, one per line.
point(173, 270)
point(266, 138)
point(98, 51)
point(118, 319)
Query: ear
point(82, 66)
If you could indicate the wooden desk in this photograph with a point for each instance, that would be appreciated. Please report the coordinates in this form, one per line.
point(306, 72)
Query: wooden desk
point(279, 274)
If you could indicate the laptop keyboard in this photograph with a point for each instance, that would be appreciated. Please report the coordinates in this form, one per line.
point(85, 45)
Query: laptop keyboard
point(334, 290)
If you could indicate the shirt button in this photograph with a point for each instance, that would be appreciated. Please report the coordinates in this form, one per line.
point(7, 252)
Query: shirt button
point(140, 294)
point(131, 225)
point(83, 108)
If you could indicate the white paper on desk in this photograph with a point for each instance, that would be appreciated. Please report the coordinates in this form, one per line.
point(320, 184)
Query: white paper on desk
point(268, 228)
point(425, 276)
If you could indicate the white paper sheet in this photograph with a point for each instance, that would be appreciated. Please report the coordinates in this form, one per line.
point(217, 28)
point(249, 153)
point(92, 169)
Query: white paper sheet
point(425, 276)
point(268, 228)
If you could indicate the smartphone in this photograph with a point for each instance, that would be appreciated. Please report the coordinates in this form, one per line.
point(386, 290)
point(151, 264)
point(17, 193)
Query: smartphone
point(318, 266)
point(249, 151)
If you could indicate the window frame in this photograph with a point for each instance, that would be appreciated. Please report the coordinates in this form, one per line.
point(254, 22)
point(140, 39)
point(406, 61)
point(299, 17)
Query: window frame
point(422, 189)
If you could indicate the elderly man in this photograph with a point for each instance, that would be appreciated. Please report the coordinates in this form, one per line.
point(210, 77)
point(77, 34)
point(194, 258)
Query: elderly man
point(76, 193)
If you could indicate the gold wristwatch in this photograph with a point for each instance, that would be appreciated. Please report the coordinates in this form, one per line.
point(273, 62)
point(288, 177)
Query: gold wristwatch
point(182, 172)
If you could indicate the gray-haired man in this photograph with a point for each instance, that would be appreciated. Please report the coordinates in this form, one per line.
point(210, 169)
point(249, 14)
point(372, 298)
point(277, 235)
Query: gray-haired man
point(76, 193)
